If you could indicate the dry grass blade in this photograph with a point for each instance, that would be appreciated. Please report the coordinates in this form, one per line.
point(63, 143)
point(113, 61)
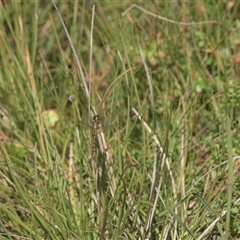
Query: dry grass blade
point(167, 19)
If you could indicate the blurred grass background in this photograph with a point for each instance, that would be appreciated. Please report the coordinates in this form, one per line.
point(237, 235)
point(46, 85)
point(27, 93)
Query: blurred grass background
point(184, 82)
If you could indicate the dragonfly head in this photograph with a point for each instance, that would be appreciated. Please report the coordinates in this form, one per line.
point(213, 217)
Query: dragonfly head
point(96, 118)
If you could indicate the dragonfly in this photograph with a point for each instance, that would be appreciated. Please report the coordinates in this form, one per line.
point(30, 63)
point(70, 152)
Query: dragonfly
point(97, 125)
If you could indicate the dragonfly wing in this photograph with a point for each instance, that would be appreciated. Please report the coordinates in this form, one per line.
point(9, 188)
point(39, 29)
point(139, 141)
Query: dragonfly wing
point(98, 123)
point(109, 121)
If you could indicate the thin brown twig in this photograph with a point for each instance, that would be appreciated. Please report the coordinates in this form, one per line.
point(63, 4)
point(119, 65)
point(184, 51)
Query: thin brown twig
point(167, 19)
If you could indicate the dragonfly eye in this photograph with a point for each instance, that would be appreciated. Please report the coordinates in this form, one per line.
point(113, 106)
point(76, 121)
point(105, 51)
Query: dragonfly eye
point(96, 118)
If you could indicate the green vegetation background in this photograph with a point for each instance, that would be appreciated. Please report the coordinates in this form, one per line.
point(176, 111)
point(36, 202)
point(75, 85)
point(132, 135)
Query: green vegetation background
point(177, 179)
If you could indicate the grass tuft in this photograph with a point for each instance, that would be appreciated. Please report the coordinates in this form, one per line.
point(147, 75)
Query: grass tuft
point(161, 81)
